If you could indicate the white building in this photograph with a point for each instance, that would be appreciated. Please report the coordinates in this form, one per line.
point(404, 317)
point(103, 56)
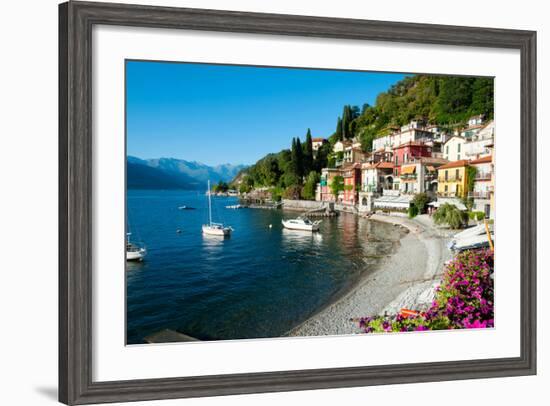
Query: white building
point(317, 143)
point(479, 145)
point(453, 149)
point(414, 131)
point(483, 185)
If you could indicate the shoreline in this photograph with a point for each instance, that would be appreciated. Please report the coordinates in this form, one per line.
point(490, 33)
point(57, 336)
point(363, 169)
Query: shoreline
point(406, 278)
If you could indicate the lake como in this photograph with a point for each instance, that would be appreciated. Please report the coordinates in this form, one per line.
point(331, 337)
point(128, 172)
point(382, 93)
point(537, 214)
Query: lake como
point(261, 281)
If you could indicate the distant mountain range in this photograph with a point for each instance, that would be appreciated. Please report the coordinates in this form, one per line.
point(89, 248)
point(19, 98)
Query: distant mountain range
point(171, 173)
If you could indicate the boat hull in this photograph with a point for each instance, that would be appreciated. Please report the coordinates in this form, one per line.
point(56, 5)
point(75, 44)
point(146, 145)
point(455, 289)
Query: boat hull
point(135, 255)
point(300, 227)
point(216, 231)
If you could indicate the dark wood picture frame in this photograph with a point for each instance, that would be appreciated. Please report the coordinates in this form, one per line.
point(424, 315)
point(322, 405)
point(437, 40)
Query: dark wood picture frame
point(76, 20)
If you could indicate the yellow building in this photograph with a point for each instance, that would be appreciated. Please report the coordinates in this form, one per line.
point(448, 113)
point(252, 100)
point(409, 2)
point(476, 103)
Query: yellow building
point(452, 179)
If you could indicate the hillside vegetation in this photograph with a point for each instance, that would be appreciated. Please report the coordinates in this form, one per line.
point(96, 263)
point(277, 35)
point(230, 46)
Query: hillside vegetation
point(446, 100)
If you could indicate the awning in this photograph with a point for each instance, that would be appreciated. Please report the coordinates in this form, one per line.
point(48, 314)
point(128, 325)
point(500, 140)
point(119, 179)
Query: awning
point(430, 168)
point(408, 170)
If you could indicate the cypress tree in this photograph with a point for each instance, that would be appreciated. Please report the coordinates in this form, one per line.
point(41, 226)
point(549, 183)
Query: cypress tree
point(308, 153)
point(339, 129)
point(299, 159)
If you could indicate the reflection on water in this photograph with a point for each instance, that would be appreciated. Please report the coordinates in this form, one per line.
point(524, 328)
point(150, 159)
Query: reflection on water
point(297, 239)
point(260, 282)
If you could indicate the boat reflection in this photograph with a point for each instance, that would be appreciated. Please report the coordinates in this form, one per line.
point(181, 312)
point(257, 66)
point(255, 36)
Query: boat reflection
point(298, 238)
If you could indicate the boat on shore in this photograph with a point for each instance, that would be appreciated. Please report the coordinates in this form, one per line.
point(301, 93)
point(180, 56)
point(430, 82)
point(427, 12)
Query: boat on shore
point(134, 252)
point(212, 228)
point(302, 224)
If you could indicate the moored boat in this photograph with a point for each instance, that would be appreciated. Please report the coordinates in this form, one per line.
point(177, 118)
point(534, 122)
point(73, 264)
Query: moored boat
point(134, 252)
point(301, 223)
point(214, 228)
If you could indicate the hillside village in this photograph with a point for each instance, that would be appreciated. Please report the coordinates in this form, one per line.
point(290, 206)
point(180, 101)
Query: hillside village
point(420, 157)
point(449, 166)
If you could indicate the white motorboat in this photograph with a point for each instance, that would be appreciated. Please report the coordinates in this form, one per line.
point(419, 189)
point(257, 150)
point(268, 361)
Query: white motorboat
point(134, 252)
point(214, 228)
point(301, 223)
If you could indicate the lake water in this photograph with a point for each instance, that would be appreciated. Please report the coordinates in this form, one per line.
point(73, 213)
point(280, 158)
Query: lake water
point(259, 282)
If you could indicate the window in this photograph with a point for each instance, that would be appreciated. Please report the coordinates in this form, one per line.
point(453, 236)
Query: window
point(457, 174)
point(446, 176)
point(458, 157)
point(446, 188)
point(458, 150)
point(447, 150)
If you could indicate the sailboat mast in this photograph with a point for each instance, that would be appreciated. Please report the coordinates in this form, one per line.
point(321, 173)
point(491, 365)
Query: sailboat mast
point(209, 205)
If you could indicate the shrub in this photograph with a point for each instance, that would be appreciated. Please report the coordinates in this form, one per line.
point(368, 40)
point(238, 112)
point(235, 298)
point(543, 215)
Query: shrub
point(465, 299)
point(421, 200)
point(449, 214)
point(413, 211)
point(476, 215)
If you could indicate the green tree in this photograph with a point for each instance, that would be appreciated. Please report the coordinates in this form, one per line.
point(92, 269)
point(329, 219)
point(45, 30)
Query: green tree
point(420, 201)
point(449, 214)
point(308, 153)
point(338, 132)
point(337, 185)
point(308, 192)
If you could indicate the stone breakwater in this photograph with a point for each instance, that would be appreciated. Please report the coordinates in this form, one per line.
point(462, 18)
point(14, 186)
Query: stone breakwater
point(405, 279)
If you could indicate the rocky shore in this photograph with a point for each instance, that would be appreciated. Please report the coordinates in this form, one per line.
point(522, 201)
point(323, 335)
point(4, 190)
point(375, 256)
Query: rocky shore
point(405, 279)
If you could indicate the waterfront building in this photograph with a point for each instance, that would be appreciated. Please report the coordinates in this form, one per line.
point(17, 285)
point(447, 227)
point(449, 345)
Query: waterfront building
point(453, 149)
point(452, 180)
point(420, 176)
point(327, 176)
point(478, 145)
point(352, 183)
point(483, 185)
point(375, 177)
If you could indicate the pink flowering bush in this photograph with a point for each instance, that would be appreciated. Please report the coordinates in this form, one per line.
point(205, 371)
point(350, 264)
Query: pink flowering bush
point(463, 300)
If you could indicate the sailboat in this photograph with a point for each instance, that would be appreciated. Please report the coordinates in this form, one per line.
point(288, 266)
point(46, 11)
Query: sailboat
point(134, 252)
point(214, 228)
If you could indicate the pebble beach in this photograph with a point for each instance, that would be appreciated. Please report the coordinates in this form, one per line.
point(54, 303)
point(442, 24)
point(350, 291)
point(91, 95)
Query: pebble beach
point(405, 279)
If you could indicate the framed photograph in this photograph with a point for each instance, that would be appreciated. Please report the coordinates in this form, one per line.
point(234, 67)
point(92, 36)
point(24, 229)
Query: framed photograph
point(259, 202)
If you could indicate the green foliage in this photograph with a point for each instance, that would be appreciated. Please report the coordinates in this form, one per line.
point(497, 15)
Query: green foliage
point(293, 192)
point(470, 177)
point(420, 201)
point(308, 192)
point(443, 99)
point(413, 211)
point(337, 185)
point(450, 215)
point(476, 215)
point(221, 187)
point(307, 153)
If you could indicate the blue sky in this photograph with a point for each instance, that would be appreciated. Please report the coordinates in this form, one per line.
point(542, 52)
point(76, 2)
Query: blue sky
point(233, 114)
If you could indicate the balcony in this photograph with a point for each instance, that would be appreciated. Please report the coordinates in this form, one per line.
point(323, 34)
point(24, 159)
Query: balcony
point(448, 194)
point(483, 176)
point(479, 195)
point(450, 179)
